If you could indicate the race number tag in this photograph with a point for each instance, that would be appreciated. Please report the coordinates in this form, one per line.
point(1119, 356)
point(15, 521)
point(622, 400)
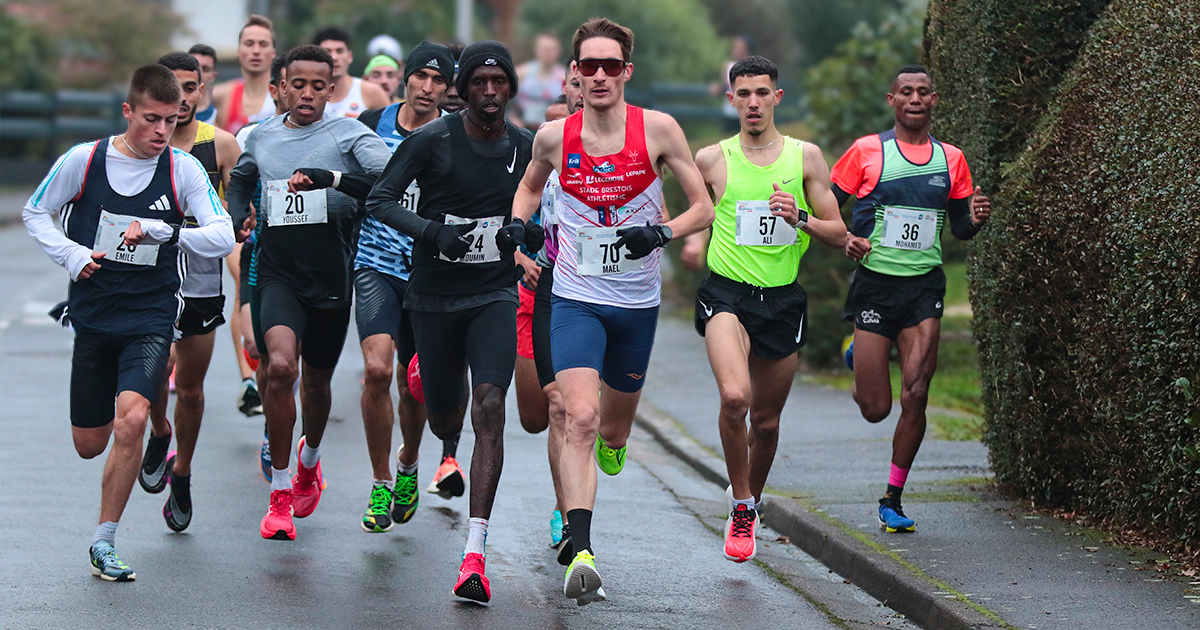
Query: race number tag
point(755, 226)
point(110, 239)
point(909, 229)
point(483, 247)
point(412, 196)
point(599, 254)
point(549, 205)
point(304, 207)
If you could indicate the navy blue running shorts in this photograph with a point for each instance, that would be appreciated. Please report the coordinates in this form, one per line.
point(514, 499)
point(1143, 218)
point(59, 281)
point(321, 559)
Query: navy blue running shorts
point(614, 341)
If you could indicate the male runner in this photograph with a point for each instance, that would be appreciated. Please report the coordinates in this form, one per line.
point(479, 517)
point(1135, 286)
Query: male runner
point(351, 96)
point(606, 280)
point(203, 305)
point(751, 311)
point(381, 275)
point(462, 295)
point(905, 183)
point(245, 100)
point(121, 202)
point(452, 102)
point(206, 111)
point(301, 303)
point(385, 72)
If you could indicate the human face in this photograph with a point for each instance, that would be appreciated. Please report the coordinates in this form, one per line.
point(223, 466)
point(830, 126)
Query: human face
point(755, 98)
point(193, 91)
point(425, 89)
point(208, 69)
point(451, 101)
point(601, 91)
point(556, 111)
point(573, 88)
point(255, 50)
point(386, 77)
point(488, 92)
point(547, 50)
point(306, 90)
point(151, 125)
point(913, 98)
point(342, 57)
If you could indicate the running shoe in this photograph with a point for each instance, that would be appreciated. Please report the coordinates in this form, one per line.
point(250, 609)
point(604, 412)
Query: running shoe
point(406, 495)
point(180, 495)
point(582, 583)
point(378, 518)
point(740, 530)
point(153, 474)
point(611, 460)
point(893, 520)
point(472, 584)
point(848, 351)
point(264, 457)
point(448, 481)
point(250, 402)
point(277, 524)
point(565, 551)
point(107, 566)
point(556, 528)
point(307, 485)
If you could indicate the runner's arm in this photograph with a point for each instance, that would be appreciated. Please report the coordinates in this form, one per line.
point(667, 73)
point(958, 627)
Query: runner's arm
point(529, 192)
point(214, 236)
point(61, 185)
point(242, 182)
point(827, 226)
point(411, 158)
point(228, 152)
point(678, 157)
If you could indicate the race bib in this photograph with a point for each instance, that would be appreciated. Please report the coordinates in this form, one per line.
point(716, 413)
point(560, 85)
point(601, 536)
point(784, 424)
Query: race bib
point(549, 205)
point(755, 226)
point(482, 239)
point(304, 207)
point(909, 229)
point(411, 197)
point(110, 239)
point(599, 254)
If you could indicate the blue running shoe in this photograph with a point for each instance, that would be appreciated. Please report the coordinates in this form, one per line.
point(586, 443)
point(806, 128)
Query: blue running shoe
point(264, 457)
point(556, 528)
point(893, 520)
point(107, 566)
point(848, 351)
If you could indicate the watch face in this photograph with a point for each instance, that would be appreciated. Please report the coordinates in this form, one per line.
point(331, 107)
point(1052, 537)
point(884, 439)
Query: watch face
point(803, 216)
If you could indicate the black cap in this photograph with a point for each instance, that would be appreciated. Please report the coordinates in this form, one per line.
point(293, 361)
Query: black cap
point(485, 53)
point(429, 56)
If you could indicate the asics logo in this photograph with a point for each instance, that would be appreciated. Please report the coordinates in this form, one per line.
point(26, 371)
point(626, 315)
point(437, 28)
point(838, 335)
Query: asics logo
point(938, 181)
point(869, 317)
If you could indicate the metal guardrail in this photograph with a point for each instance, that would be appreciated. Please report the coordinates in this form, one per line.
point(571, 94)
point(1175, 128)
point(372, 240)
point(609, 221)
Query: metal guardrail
point(65, 115)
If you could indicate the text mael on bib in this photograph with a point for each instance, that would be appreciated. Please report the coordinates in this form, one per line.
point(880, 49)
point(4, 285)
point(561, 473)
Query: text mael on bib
point(304, 207)
point(110, 239)
point(755, 226)
point(599, 254)
point(482, 239)
point(909, 229)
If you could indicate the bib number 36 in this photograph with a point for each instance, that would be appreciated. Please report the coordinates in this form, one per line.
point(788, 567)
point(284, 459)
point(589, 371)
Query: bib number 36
point(909, 229)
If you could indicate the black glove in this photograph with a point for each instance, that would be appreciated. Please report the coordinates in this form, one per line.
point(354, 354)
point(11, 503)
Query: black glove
point(511, 236)
point(643, 239)
point(449, 238)
point(320, 177)
point(535, 238)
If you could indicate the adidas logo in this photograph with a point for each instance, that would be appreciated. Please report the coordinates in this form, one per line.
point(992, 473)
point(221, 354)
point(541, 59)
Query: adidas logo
point(433, 63)
point(161, 205)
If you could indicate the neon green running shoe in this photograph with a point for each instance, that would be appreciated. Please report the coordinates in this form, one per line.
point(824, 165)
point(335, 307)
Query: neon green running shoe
point(582, 583)
point(404, 498)
point(378, 518)
point(611, 460)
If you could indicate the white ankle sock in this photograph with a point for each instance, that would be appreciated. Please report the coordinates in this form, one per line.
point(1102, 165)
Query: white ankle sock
point(746, 502)
point(281, 479)
point(309, 456)
point(388, 483)
point(477, 536)
point(106, 531)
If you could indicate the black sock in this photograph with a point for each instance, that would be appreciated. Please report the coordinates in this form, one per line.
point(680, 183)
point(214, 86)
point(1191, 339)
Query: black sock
point(892, 495)
point(450, 446)
point(581, 529)
point(181, 489)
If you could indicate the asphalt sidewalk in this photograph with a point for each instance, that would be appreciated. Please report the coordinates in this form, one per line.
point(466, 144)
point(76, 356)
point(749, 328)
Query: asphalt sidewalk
point(977, 560)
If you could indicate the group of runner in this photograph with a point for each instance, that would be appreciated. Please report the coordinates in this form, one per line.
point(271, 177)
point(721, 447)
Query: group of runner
point(471, 249)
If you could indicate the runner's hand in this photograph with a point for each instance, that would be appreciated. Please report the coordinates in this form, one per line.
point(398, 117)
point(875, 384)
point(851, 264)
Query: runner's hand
point(91, 267)
point(783, 204)
point(511, 236)
point(857, 248)
point(247, 229)
point(310, 179)
point(641, 240)
point(535, 238)
point(450, 240)
point(981, 207)
point(533, 273)
point(134, 234)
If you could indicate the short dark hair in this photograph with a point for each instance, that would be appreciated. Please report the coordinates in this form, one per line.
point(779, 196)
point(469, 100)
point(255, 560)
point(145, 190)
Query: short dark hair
point(754, 66)
point(455, 49)
point(181, 61)
point(156, 83)
point(277, 66)
point(203, 49)
point(308, 52)
point(603, 27)
point(913, 68)
point(561, 100)
point(334, 33)
point(260, 21)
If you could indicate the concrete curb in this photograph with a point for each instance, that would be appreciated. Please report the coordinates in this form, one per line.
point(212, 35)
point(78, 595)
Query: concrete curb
point(915, 596)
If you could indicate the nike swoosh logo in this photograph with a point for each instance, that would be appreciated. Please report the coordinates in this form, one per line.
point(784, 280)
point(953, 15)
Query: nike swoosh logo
point(707, 309)
point(788, 181)
point(800, 329)
point(207, 322)
point(514, 161)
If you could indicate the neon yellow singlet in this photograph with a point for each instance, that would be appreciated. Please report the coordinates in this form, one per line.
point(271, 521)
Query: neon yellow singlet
point(764, 265)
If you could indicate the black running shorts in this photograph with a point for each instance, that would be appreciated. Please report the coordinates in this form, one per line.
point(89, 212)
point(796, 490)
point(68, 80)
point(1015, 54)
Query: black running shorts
point(201, 315)
point(483, 338)
point(321, 332)
point(886, 305)
point(378, 310)
point(541, 327)
point(774, 317)
point(244, 273)
point(103, 366)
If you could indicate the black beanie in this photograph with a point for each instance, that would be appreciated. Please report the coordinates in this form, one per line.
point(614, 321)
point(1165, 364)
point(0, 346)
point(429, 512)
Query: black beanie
point(429, 56)
point(490, 53)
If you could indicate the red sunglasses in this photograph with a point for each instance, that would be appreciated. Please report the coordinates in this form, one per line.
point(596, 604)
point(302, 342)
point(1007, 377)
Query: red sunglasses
point(612, 67)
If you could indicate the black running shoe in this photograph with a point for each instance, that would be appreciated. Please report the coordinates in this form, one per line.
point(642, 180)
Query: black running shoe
point(250, 402)
point(566, 552)
point(153, 474)
point(177, 511)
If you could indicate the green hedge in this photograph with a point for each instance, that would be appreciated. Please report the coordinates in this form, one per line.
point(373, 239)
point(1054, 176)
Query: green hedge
point(1086, 284)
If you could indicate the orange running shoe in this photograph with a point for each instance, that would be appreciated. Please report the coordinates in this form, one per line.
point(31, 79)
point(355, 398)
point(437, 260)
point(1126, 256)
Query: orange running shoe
point(277, 524)
point(472, 584)
point(740, 530)
point(449, 480)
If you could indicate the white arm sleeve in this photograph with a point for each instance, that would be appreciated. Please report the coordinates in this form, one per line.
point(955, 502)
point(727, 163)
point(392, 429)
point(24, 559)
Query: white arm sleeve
point(61, 185)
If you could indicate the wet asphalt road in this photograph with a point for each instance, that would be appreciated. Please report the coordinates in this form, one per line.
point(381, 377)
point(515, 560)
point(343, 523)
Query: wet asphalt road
point(656, 530)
